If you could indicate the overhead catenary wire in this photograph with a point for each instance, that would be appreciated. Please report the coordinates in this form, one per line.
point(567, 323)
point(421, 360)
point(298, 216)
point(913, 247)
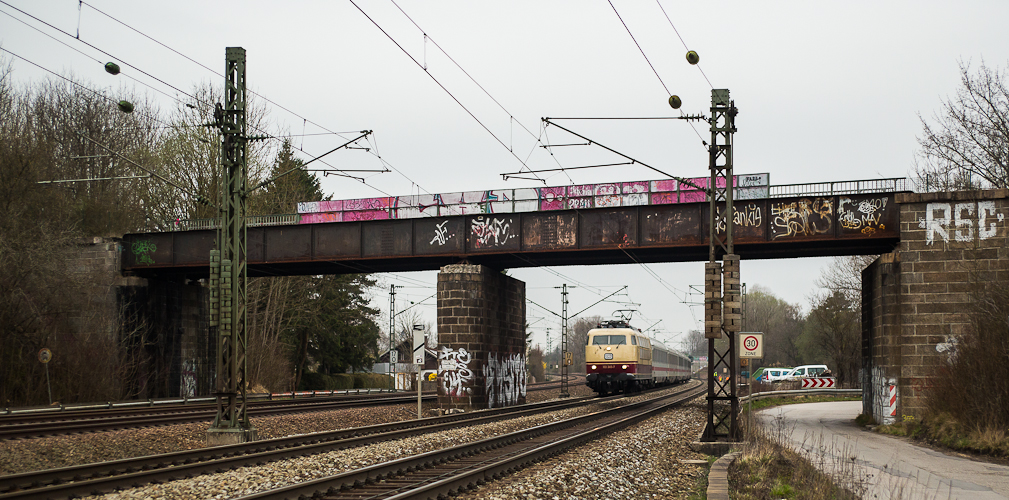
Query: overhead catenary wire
point(438, 82)
point(194, 98)
point(427, 37)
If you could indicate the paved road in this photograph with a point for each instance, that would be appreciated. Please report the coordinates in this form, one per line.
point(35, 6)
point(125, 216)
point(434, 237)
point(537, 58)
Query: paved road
point(881, 466)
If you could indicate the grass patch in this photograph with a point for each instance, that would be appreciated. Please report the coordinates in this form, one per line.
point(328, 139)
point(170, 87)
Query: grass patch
point(948, 432)
point(766, 470)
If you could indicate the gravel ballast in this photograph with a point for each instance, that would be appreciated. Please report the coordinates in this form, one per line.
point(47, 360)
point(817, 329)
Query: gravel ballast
point(645, 458)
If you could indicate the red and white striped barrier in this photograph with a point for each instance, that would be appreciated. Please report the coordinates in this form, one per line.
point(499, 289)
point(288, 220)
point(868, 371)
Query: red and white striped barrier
point(893, 401)
point(818, 383)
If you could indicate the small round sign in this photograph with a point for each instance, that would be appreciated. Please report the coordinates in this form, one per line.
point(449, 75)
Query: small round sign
point(45, 355)
point(750, 343)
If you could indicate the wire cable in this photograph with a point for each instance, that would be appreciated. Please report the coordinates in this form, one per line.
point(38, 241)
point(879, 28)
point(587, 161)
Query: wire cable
point(436, 81)
point(683, 42)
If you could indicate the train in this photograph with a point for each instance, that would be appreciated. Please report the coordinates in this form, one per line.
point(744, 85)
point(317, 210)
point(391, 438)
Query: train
point(620, 358)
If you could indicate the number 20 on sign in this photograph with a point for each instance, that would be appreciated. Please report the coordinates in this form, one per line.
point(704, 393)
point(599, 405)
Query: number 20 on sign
point(751, 345)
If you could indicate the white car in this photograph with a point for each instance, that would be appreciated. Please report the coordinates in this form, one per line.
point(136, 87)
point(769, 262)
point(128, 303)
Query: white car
point(805, 371)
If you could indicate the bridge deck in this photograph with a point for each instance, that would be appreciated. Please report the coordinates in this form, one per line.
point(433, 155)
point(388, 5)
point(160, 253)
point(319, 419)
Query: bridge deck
point(804, 226)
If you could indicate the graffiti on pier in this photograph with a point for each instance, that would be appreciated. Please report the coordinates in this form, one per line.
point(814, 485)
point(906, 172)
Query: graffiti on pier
point(863, 216)
point(454, 373)
point(948, 347)
point(505, 376)
point(189, 379)
point(491, 231)
point(885, 394)
point(142, 250)
point(441, 235)
point(801, 218)
point(962, 219)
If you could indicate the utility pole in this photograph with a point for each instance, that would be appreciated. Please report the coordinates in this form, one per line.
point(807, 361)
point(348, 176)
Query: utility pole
point(228, 277)
point(392, 332)
point(722, 305)
point(564, 341)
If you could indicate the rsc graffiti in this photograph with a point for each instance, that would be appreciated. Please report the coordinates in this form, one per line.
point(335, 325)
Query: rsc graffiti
point(962, 219)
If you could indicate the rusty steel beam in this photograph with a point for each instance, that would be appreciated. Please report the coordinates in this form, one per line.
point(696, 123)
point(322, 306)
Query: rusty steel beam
point(762, 229)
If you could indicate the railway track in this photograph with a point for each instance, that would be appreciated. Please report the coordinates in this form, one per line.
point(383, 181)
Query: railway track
point(442, 473)
point(110, 476)
point(55, 423)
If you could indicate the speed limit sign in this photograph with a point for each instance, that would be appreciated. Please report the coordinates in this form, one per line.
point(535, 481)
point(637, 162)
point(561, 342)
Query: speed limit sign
point(751, 345)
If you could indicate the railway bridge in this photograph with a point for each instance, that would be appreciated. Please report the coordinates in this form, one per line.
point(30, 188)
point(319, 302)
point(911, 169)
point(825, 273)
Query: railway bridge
point(913, 296)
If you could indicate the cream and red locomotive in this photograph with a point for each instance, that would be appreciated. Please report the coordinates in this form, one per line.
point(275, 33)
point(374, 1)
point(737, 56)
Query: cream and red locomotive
point(619, 358)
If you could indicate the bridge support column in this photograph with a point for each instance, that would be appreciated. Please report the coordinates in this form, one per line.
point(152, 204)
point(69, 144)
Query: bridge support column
point(481, 338)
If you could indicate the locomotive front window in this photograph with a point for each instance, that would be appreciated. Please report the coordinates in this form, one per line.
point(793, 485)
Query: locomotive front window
point(609, 340)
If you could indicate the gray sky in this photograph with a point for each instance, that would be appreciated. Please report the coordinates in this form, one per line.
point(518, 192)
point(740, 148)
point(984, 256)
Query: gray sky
point(826, 90)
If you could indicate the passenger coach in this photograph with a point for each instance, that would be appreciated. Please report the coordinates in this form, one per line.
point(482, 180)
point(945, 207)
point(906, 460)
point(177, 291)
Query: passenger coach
point(621, 358)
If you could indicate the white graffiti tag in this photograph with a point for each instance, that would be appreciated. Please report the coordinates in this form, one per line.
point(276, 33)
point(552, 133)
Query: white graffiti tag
point(939, 217)
point(491, 231)
point(441, 235)
point(454, 373)
point(505, 378)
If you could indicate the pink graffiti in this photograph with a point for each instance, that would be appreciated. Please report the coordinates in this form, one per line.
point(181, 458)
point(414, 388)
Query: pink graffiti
point(667, 185)
point(321, 217)
point(366, 215)
point(665, 198)
point(634, 187)
point(368, 203)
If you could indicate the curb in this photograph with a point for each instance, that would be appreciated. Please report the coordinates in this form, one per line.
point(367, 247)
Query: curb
point(718, 477)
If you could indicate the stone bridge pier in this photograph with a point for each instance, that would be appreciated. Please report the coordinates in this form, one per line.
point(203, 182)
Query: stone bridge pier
point(916, 300)
point(481, 338)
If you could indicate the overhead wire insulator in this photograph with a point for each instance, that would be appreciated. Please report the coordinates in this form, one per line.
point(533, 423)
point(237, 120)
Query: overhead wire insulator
point(693, 58)
point(112, 68)
point(675, 102)
point(125, 106)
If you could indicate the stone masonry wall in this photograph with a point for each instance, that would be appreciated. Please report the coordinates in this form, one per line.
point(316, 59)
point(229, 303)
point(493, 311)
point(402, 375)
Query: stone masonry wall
point(950, 242)
point(481, 338)
point(161, 323)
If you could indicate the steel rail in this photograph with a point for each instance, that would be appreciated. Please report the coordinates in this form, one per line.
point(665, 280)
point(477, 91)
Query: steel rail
point(101, 418)
point(441, 473)
point(108, 476)
point(92, 422)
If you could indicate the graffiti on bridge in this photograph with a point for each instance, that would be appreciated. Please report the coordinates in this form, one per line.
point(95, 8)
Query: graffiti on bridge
point(804, 217)
point(491, 231)
point(863, 216)
point(143, 250)
point(441, 235)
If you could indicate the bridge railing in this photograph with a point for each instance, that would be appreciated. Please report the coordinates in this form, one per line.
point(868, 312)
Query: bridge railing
point(888, 185)
point(252, 221)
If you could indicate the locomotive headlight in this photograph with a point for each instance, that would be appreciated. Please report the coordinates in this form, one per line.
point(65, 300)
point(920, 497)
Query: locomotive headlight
point(624, 367)
point(593, 367)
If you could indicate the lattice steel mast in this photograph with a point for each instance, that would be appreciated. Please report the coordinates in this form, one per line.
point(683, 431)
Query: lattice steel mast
point(228, 277)
point(722, 306)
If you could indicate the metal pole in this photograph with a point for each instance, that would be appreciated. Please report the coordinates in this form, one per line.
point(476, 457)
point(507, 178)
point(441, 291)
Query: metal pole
point(418, 392)
point(392, 331)
point(49, 387)
point(564, 341)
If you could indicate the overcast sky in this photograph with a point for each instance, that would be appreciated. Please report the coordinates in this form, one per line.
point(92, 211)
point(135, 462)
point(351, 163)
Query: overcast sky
point(827, 91)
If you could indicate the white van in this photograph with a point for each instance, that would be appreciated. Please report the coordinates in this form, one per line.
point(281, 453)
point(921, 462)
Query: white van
point(806, 371)
point(774, 374)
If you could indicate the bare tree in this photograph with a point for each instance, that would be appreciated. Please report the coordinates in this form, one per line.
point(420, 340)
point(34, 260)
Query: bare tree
point(781, 323)
point(694, 343)
point(968, 146)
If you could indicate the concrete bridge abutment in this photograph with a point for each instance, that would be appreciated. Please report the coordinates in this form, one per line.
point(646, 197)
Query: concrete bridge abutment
point(917, 300)
point(481, 338)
